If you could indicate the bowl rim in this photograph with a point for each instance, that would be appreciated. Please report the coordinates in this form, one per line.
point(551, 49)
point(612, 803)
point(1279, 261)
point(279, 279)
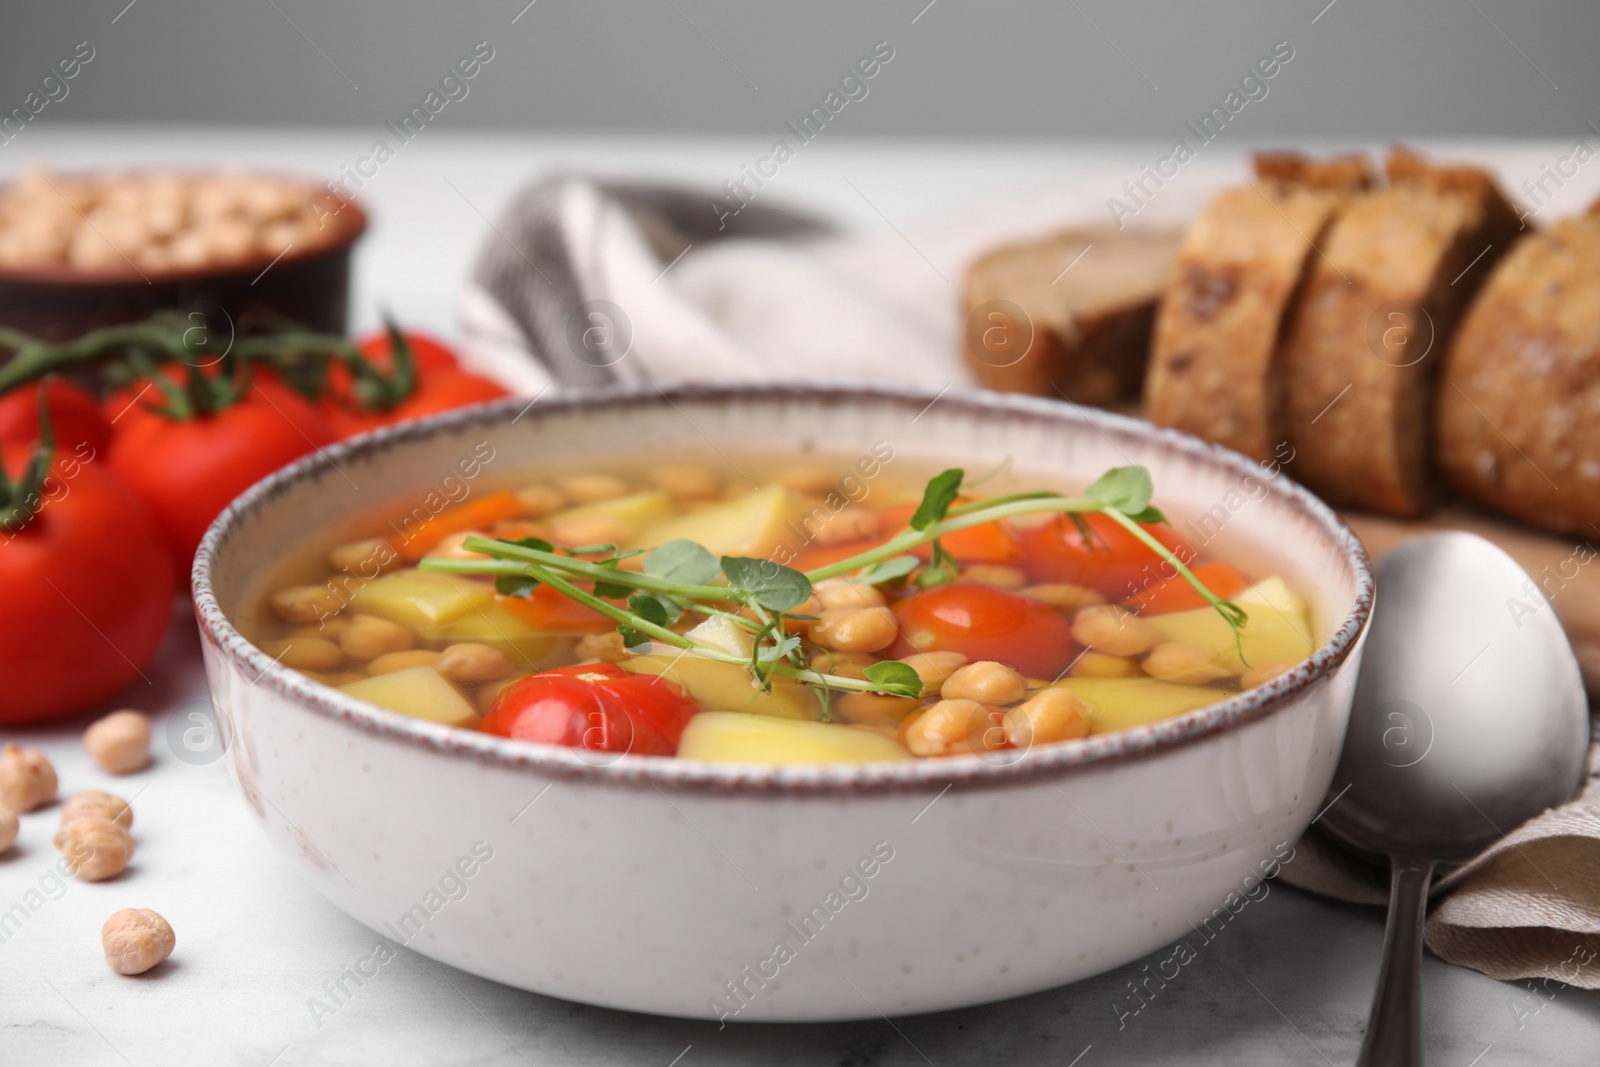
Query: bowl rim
point(671, 773)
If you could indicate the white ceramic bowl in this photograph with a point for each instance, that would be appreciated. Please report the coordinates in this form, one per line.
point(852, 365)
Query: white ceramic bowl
point(783, 893)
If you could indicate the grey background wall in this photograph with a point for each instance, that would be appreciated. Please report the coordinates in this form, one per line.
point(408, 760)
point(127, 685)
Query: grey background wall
point(1040, 68)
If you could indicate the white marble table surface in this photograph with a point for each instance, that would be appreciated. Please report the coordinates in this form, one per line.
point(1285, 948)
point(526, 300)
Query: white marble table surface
point(1288, 981)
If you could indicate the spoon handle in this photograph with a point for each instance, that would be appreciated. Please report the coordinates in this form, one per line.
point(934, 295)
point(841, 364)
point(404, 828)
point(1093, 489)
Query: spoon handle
point(1394, 1028)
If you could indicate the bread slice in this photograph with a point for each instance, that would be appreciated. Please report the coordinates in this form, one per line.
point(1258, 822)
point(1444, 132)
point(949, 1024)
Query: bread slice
point(1360, 363)
point(1520, 390)
point(1214, 363)
point(1089, 295)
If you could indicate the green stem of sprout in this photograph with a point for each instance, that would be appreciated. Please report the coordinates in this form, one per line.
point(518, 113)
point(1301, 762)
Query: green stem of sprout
point(1122, 496)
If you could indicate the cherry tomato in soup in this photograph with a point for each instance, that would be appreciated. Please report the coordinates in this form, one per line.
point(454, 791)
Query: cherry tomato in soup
point(1162, 595)
point(1115, 562)
point(983, 622)
point(88, 588)
point(596, 706)
point(992, 542)
point(188, 470)
point(75, 418)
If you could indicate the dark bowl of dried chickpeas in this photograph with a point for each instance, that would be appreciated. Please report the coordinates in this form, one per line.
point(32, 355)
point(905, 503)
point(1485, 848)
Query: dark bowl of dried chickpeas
point(83, 251)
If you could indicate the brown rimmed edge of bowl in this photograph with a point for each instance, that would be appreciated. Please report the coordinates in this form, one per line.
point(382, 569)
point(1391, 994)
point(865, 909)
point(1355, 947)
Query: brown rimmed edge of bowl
point(832, 780)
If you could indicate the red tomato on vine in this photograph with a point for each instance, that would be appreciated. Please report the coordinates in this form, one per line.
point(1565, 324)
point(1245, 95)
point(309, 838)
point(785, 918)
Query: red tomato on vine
point(88, 586)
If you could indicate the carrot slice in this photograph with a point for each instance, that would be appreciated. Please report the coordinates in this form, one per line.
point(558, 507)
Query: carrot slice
point(824, 555)
point(473, 515)
point(551, 612)
point(1175, 594)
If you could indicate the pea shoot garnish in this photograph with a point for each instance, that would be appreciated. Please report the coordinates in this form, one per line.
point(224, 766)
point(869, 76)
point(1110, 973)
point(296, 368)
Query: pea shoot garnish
point(745, 610)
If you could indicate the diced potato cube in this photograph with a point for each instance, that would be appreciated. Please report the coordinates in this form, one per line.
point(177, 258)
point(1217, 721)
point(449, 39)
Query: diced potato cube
point(420, 599)
point(1277, 631)
point(420, 692)
point(1119, 703)
point(637, 510)
point(752, 525)
point(495, 626)
point(732, 737)
point(727, 686)
point(723, 633)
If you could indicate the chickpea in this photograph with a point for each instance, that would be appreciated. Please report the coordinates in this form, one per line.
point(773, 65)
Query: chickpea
point(189, 249)
point(363, 558)
point(606, 647)
point(305, 653)
point(812, 481)
point(1262, 673)
point(27, 781)
point(92, 802)
point(472, 662)
point(1064, 597)
point(135, 940)
point(390, 662)
point(541, 500)
point(849, 523)
point(688, 483)
point(368, 637)
point(843, 593)
point(306, 603)
point(332, 629)
point(811, 605)
point(873, 709)
point(591, 488)
point(1113, 630)
point(934, 667)
point(1048, 716)
point(91, 251)
point(995, 574)
point(451, 546)
point(843, 664)
point(120, 742)
point(1172, 661)
point(986, 682)
point(591, 530)
point(488, 691)
point(8, 829)
point(1091, 664)
point(944, 728)
point(93, 848)
point(855, 629)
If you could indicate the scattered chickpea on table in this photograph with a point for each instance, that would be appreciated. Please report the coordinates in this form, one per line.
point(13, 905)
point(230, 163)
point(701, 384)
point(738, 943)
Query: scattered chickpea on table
point(136, 939)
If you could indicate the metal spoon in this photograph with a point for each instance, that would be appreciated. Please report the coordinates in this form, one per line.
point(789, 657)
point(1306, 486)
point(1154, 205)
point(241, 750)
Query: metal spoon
point(1469, 719)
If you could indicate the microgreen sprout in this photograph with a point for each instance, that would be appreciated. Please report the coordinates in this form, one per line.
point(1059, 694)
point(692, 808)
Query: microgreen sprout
point(651, 604)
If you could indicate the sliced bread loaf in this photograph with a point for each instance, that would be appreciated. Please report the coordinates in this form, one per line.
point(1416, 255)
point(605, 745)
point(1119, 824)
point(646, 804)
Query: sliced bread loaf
point(1360, 360)
point(1069, 314)
point(1214, 363)
point(1519, 401)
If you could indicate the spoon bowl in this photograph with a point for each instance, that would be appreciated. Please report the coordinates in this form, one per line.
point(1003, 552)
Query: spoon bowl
point(1469, 719)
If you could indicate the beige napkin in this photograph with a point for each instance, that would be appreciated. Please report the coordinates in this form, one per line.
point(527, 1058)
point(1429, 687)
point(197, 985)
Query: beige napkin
point(1527, 907)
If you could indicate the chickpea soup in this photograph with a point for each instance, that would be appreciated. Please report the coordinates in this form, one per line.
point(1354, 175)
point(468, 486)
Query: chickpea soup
point(840, 611)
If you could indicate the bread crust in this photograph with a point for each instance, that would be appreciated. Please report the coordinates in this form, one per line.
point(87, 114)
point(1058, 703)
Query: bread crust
point(1341, 174)
point(1378, 314)
point(1214, 364)
point(1519, 403)
point(1088, 296)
